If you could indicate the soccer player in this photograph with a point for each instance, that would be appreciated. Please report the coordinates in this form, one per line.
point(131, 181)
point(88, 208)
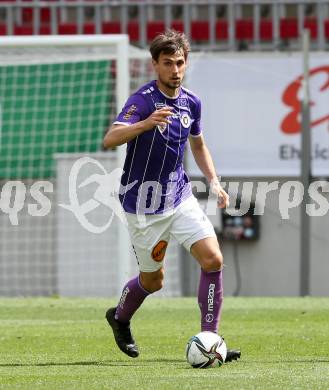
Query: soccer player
point(156, 123)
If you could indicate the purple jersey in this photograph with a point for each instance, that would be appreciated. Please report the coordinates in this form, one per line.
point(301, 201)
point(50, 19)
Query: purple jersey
point(154, 159)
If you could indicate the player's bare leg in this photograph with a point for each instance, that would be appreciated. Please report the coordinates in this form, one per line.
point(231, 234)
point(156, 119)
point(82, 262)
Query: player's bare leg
point(210, 295)
point(152, 281)
point(133, 295)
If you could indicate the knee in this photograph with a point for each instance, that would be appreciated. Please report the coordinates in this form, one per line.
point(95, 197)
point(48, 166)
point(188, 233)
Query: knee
point(213, 262)
point(152, 281)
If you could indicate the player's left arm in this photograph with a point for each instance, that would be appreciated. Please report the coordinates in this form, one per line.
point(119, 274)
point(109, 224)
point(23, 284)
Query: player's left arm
point(204, 161)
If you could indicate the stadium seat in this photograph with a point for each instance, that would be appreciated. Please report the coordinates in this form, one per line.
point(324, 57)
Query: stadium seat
point(67, 28)
point(200, 30)
point(221, 30)
point(326, 28)
point(133, 30)
point(178, 25)
point(89, 28)
point(23, 30)
point(3, 29)
point(45, 29)
point(45, 15)
point(27, 14)
point(288, 28)
point(311, 24)
point(266, 30)
point(154, 28)
point(244, 29)
point(111, 28)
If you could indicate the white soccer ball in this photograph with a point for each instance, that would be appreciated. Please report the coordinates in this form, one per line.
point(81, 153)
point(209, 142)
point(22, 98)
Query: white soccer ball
point(206, 349)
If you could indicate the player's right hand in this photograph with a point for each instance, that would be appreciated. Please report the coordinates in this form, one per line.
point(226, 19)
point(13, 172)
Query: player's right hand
point(158, 118)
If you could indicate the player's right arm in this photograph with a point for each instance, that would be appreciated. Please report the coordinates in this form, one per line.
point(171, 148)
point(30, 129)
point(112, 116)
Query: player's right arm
point(134, 120)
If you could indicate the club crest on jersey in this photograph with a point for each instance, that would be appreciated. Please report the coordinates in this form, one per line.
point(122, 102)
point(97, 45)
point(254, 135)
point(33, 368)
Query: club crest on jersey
point(185, 120)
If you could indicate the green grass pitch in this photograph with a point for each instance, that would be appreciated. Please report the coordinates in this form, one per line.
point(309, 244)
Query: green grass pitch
point(57, 343)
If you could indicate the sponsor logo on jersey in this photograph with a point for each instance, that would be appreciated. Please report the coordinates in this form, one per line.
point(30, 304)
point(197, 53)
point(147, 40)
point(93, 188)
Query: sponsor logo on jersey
point(185, 120)
point(130, 111)
point(211, 292)
point(159, 250)
point(158, 106)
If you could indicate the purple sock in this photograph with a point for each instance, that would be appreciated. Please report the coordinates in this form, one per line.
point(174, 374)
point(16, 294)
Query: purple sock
point(210, 299)
point(133, 295)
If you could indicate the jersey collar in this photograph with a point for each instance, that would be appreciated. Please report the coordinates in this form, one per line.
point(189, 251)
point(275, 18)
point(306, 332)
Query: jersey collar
point(166, 96)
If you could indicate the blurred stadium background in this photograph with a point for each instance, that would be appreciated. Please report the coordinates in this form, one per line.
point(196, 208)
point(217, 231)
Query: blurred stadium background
point(57, 102)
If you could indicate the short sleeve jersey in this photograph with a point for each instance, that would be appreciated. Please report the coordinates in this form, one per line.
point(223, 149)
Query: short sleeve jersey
point(154, 159)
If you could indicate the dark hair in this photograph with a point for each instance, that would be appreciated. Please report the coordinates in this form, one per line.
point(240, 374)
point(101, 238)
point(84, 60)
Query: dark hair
point(169, 42)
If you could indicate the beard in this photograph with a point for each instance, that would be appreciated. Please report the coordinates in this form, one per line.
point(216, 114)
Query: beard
point(173, 84)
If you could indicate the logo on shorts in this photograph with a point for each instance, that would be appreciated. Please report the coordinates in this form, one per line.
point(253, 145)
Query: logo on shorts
point(185, 120)
point(159, 250)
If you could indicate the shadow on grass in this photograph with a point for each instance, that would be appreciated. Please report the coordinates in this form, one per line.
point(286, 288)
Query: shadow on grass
point(135, 363)
point(147, 362)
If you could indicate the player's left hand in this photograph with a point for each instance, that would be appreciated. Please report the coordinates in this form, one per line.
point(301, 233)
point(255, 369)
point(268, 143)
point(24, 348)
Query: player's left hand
point(223, 197)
